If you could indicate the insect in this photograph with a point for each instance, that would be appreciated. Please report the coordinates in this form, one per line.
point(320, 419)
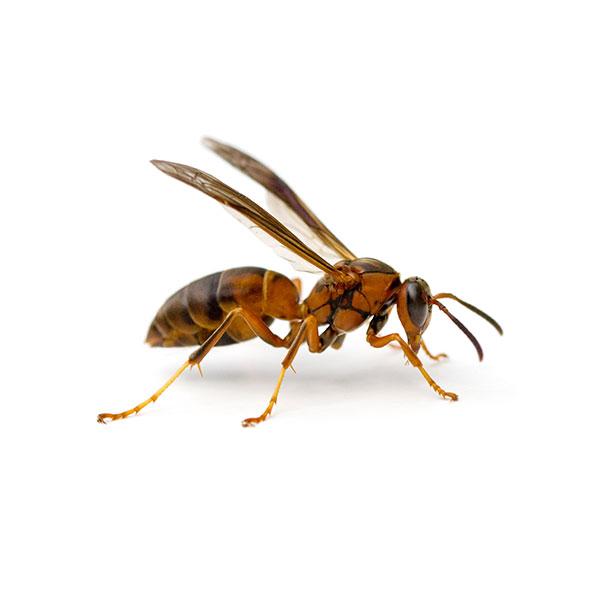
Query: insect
point(240, 304)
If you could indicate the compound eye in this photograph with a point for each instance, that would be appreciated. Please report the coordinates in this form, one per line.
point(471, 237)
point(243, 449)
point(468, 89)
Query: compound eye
point(416, 302)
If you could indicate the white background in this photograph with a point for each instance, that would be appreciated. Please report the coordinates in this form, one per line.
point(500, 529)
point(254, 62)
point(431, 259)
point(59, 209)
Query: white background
point(455, 140)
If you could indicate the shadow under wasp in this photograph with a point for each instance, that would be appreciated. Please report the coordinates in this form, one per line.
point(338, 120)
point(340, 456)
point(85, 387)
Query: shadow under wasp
point(240, 304)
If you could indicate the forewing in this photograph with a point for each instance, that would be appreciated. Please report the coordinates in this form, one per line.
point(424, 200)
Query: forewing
point(252, 215)
point(297, 226)
point(299, 263)
point(285, 202)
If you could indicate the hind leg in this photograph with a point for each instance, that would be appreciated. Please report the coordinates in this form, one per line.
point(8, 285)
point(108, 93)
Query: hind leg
point(254, 322)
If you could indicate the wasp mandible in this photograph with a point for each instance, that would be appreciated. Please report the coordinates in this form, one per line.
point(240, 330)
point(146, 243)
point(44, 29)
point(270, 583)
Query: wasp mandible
point(240, 304)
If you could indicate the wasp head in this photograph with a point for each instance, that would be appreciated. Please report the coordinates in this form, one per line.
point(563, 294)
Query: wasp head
point(414, 309)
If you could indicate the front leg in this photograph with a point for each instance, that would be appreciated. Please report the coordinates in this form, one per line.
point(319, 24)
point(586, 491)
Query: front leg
point(381, 341)
point(432, 356)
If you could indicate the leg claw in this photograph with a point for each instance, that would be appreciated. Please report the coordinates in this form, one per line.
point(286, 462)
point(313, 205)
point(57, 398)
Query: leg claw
point(102, 417)
point(252, 421)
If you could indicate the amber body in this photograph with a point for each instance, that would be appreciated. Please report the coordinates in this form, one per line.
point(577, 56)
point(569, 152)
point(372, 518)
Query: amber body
point(194, 312)
point(239, 304)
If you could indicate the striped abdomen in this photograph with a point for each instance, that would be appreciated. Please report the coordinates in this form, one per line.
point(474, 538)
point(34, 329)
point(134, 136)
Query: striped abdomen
point(190, 315)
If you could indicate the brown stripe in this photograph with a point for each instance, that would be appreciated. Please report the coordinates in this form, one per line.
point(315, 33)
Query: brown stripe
point(201, 299)
point(177, 314)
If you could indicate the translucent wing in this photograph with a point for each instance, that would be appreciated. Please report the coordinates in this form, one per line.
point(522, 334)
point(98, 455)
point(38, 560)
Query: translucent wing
point(252, 215)
point(285, 203)
point(296, 225)
point(299, 263)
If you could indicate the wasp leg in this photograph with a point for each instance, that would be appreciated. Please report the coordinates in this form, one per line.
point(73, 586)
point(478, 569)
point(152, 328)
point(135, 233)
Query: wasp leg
point(102, 417)
point(254, 322)
point(308, 331)
point(432, 356)
point(287, 362)
point(339, 340)
point(425, 349)
point(380, 342)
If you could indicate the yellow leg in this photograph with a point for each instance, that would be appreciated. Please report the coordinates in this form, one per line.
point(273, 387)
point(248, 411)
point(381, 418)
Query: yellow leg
point(432, 356)
point(308, 328)
point(255, 420)
point(254, 322)
point(102, 417)
point(380, 342)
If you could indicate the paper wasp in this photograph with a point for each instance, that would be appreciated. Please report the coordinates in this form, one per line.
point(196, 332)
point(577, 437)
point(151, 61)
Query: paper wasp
point(239, 304)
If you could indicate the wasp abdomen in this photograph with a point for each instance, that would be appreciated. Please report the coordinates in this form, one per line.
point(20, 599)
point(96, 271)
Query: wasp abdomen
point(191, 314)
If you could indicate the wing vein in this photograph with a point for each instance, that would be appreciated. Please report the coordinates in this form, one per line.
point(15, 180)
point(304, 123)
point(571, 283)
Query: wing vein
point(290, 208)
point(247, 209)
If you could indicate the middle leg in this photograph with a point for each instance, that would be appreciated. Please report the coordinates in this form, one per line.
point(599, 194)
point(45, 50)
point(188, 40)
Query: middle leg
point(285, 365)
point(308, 331)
